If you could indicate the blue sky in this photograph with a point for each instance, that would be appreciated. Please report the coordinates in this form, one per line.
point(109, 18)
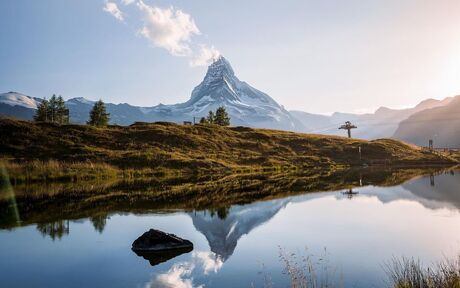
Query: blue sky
point(316, 56)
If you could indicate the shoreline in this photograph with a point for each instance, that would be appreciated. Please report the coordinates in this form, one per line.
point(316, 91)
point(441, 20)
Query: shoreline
point(40, 152)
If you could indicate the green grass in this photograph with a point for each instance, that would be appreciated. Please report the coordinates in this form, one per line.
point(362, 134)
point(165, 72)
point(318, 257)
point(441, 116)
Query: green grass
point(168, 148)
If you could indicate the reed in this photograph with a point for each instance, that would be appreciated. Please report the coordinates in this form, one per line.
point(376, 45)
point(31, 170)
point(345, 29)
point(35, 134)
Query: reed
point(410, 273)
point(53, 170)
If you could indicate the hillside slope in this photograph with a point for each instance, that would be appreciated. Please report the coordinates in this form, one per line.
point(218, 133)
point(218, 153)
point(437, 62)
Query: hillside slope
point(199, 148)
point(442, 124)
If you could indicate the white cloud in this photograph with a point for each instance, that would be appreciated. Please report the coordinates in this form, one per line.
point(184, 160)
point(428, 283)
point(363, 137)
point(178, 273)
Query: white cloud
point(127, 2)
point(210, 261)
point(168, 28)
point(206, 56)
point(112, 8)
point(180, 275)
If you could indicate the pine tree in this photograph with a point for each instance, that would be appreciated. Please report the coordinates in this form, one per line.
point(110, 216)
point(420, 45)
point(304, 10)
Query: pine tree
point(203, 120)
point(62, 113)
point(211, 117)
point(42, 112)
point(52, 109)
point(98, 115)
point(222, 117)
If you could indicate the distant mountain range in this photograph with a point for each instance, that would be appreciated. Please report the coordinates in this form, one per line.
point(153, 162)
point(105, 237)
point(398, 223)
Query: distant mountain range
point(250, 107)
point(441, 124)
point(381, 124)
point(246, 105)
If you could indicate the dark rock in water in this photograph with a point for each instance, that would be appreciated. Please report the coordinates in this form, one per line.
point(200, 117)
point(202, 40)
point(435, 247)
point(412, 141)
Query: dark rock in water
point(156, 258)
point(158, 241)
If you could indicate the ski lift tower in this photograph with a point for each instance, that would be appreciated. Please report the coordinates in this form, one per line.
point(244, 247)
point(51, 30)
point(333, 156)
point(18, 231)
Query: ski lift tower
point(348, 126)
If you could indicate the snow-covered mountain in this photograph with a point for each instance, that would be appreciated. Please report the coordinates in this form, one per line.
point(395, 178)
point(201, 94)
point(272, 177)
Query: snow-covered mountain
point(246, 105)
point(18, 99)
point(18, 105)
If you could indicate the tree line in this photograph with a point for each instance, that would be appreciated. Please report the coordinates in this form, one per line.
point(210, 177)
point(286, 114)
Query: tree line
point(220, 117)
point(54, 111)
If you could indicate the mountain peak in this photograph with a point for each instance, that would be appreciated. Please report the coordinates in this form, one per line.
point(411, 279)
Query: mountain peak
point(220, 67)
point(246, 105)
point(80, 100)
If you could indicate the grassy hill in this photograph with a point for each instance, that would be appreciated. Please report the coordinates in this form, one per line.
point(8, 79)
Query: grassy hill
point(79, 149)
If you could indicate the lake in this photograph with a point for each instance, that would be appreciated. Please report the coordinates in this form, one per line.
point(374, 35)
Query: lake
point(72, 235)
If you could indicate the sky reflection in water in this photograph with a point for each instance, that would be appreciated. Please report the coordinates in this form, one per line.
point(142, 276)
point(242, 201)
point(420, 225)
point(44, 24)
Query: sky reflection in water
point(361, 232)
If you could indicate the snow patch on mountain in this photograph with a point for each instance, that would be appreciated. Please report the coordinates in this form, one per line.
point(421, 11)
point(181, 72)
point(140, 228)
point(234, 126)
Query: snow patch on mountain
point(18, 99)
point(79, 100)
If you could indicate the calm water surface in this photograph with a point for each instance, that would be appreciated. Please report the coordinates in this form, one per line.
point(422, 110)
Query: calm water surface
point(359, 233)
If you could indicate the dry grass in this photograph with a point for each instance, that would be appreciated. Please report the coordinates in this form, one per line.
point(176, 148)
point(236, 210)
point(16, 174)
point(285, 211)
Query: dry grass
point(410, 273)
point(53, 170)
point(308, 271)
point(198, 149)
point(58, 171)
point(305, 270)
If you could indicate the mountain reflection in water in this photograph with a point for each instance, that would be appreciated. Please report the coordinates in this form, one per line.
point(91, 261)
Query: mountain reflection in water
point(223, 216)
point(223, 233)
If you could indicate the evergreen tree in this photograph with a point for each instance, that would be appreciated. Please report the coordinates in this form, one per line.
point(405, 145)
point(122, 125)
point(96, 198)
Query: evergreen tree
point(222, 213)
point(52, 107)
point(42, 112)
point(99, 222)
point(98, 115)
point(211, 117)
point(222, 117)
point(203, 120)
point(62, 113)
point(53, 111)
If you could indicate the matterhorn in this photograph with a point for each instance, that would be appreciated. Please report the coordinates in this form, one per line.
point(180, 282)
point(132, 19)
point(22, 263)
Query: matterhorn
point(246, 105)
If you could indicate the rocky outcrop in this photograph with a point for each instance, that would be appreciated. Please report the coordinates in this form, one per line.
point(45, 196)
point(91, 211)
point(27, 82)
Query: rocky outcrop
point(157, 241)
